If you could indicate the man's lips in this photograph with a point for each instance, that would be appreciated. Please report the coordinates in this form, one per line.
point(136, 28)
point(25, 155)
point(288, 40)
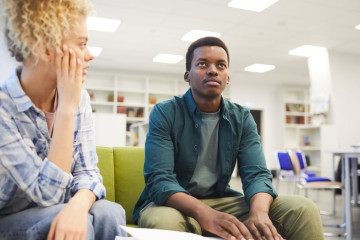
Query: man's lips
point(212, 81)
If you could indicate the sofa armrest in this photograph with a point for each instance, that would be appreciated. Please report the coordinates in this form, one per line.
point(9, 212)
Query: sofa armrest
point(106, 166)
point(129, 178)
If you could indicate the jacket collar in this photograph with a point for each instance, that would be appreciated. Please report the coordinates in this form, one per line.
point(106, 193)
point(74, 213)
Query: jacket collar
point(193, 108)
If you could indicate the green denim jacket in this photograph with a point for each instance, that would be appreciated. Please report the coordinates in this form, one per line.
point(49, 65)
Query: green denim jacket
point(173, 144)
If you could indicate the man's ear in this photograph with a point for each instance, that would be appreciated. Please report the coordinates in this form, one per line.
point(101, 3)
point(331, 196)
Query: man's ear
point(228, 80)
point(186, 76)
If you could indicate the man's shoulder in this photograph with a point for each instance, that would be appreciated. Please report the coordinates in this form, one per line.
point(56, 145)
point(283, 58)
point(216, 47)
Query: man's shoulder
point(172, 103)
point(235, 107)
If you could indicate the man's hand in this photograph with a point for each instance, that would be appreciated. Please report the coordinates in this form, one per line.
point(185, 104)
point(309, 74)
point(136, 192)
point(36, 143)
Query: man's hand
point(259, 222)
point(224, 225)
point(261, 227)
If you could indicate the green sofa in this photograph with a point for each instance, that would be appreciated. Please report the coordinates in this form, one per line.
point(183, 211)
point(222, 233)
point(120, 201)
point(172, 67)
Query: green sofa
point(122, 171)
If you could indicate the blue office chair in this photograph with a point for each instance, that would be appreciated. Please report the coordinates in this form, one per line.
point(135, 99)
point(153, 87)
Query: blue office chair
point(284, 169)
point(318, 183)
point(303, 165)
point(306, 175)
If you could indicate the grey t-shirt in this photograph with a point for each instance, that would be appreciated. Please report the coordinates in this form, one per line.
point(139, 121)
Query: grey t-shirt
point(207, 170)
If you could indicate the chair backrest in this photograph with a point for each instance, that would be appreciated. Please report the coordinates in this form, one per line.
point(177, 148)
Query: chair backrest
point(295, 162)
point(283, 161)
point(301, 159)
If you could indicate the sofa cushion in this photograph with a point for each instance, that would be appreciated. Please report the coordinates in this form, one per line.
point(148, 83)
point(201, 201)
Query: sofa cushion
point(106, 166)
point(129, 178)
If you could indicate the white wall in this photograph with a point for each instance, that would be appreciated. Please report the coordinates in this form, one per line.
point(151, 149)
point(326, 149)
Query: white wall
point(345, 99)
point(7, 63)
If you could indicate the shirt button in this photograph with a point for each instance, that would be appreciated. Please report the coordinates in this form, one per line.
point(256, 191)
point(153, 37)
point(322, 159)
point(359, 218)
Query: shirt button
point(196, 147)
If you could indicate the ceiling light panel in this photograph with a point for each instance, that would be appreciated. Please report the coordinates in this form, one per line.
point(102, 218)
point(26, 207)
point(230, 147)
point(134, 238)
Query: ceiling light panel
point(357, 27)
point(252, 5)
point(167, 58)
point(259, 68)
point(102, 24)
point(307, 51)
point(194, 35)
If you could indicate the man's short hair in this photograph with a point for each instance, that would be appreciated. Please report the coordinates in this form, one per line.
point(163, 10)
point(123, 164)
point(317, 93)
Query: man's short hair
point(205, 41)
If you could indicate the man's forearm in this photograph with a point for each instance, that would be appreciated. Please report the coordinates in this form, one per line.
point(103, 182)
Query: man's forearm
point(260, 202)
point(186, 204)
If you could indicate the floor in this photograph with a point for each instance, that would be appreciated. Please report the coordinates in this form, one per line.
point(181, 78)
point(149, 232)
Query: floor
point(324, 200)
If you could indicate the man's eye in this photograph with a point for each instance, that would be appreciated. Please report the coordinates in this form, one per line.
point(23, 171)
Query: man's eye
point(201, 64)
point(82, 45)
point(222, 65)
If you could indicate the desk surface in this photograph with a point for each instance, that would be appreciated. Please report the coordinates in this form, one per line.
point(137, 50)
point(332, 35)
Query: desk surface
point(344, 151)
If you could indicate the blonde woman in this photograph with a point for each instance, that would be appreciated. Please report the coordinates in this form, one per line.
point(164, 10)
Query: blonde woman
point(50, 186)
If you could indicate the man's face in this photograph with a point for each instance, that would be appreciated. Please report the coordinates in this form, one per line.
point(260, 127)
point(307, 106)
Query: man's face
point(208, 74)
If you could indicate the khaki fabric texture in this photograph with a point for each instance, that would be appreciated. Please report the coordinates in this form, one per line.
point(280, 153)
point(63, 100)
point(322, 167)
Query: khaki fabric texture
point(295, 217)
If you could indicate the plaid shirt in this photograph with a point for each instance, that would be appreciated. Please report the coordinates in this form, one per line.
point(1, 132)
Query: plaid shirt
point(27, 177)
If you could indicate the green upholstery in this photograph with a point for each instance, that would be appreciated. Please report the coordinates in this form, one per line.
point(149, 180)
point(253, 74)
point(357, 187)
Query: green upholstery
point(106, 166)
point(129, 178)
point(122, 171)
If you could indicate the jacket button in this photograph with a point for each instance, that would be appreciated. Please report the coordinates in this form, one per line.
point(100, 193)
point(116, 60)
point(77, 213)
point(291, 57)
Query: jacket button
point(196, 147)
point(196, 125)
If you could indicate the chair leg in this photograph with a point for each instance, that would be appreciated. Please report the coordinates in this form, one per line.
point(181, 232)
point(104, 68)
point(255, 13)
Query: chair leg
point(334, 203)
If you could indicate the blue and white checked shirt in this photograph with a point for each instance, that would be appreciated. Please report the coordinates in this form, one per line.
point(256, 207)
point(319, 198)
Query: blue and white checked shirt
point(27, 177)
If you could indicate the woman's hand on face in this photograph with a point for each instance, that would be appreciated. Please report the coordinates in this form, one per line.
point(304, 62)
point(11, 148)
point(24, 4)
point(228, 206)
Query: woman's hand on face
point(69, 79)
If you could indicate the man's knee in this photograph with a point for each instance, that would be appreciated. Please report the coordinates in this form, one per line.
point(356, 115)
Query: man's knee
point(296, 204)
point(161, 217)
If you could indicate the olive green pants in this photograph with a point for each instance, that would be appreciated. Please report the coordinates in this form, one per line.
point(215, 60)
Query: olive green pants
point(295, 217)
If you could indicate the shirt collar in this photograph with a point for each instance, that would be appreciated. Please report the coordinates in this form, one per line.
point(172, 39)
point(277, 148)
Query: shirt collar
point(191, 105)
point(21, 100)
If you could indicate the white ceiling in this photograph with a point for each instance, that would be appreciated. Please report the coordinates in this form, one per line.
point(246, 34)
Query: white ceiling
point(156, 26)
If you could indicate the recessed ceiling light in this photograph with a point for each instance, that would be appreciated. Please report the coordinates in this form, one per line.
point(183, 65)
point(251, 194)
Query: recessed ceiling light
point(307, 51)
point(95, 50)
point(167, 58)
point(194, 35)
point(259, 68)
point(357, 27)
point(252, 5)
point(102, 24)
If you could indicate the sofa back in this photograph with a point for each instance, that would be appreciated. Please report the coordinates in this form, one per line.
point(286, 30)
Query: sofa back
point(123, 176)
point(106, 166)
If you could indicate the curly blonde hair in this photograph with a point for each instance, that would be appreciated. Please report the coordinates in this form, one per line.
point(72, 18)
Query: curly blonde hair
point(29, 23)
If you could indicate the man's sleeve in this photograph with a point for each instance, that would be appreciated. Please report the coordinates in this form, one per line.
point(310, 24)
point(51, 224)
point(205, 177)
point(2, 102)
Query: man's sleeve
point(159, 155)
point(253, 171)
